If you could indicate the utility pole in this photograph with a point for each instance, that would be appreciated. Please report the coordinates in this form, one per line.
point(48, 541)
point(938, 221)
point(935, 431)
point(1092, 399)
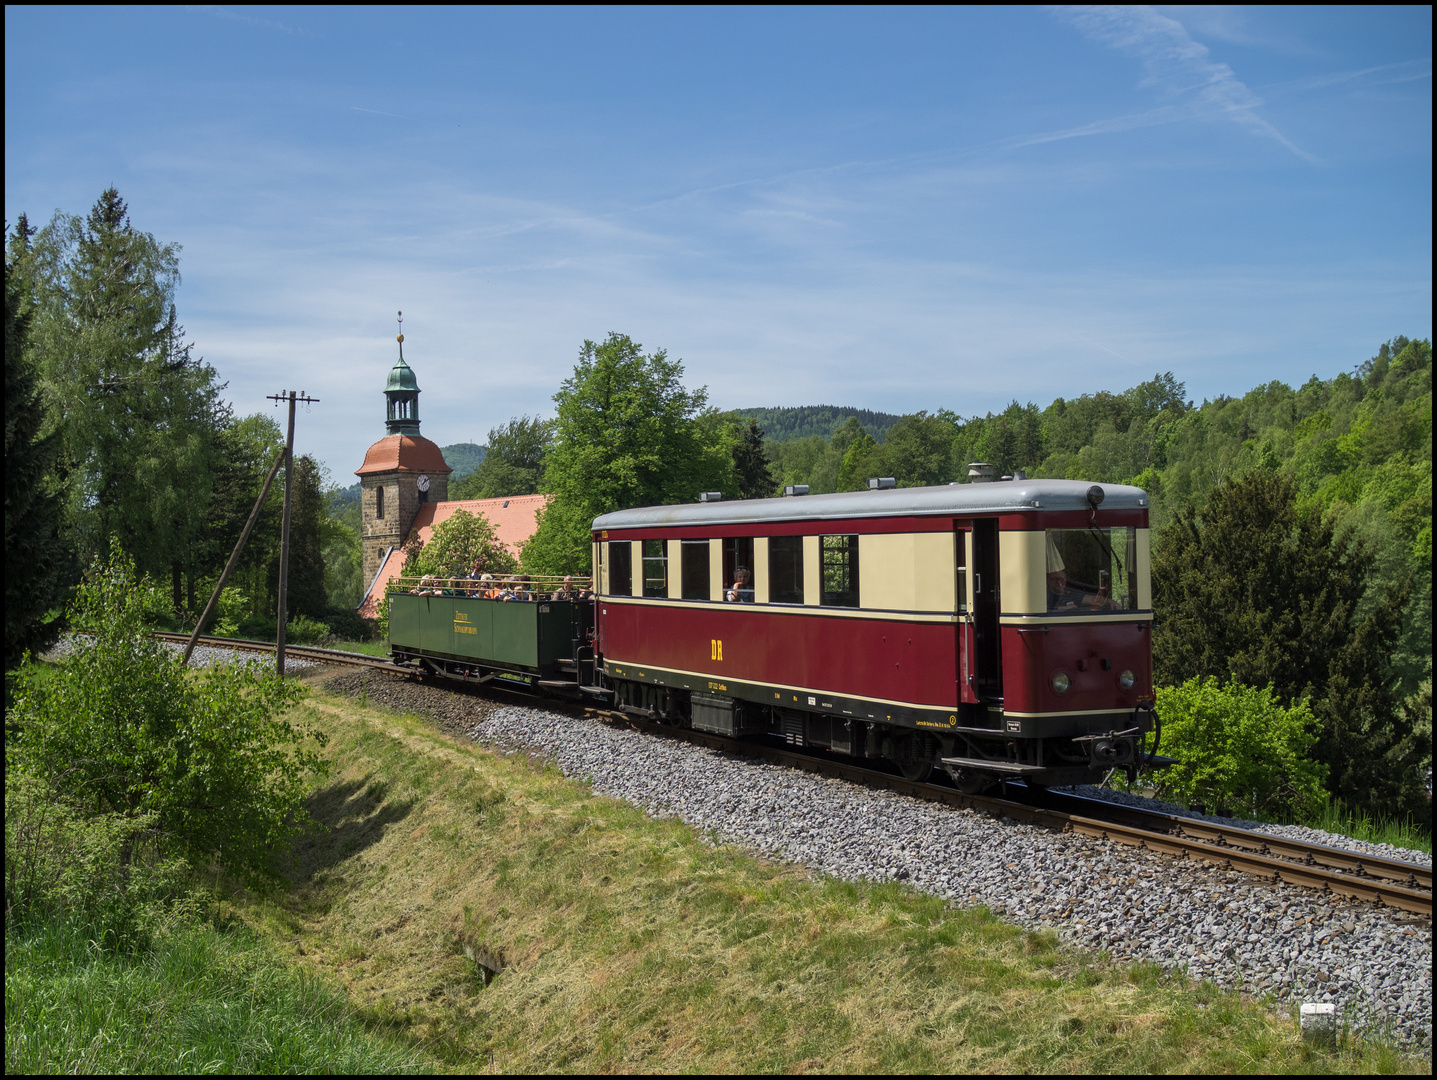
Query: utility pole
point(291, 397)
point(234, 555)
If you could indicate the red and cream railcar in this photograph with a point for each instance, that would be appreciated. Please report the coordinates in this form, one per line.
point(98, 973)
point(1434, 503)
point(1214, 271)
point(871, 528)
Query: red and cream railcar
point(1000, 630)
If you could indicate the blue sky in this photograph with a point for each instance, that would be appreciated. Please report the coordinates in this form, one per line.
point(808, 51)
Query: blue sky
point(889, 208)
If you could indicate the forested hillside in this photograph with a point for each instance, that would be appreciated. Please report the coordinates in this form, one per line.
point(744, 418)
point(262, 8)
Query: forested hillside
point(780, 425)
point(463, 458)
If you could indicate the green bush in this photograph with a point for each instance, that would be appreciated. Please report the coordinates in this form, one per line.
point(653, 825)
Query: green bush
point(1239, 748)
point(461, 543)
point(157, 604)
point(232, 606)
point(302, 630)
point(348, 625)
point(97, 870)
point(204, 765)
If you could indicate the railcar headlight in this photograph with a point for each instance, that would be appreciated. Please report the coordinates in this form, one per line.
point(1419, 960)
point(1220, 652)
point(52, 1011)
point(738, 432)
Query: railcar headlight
point(1061, 682)
point(1127, 679)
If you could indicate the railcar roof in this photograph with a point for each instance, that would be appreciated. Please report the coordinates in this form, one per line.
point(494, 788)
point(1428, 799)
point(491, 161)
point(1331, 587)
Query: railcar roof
point(995, 497)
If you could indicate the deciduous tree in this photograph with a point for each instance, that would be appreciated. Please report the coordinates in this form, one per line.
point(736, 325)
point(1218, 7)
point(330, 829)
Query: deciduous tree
point(513, 463)
point(627, 434)
point(461, 543)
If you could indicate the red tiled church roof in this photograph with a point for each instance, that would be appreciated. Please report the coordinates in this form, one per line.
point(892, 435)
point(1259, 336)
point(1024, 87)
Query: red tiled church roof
point(514, 520)
point(409, 453)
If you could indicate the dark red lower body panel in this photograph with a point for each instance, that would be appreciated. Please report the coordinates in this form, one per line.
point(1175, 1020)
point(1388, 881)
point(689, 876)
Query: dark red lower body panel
point(1030, 658)
point(871, 658)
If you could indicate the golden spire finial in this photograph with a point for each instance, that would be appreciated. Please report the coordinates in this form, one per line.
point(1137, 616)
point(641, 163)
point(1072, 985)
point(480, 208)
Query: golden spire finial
point(400, 337)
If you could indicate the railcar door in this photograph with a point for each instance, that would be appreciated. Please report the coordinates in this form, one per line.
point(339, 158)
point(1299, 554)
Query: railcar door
point(987, 661)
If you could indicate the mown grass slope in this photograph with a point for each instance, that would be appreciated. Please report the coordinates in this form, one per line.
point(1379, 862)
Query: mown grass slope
point(628, 944)
point(198, 1000)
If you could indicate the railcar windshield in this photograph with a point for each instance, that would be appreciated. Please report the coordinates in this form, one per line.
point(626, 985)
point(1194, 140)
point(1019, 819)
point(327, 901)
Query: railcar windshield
point(1092, 570)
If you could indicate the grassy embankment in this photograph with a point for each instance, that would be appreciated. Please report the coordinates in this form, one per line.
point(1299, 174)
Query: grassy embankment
point(632, 944)
point(198, 999)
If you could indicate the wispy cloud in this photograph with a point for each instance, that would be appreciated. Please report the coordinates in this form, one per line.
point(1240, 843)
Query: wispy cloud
point(1382, 75)
point(1175, 66)
point(231, 15)
point(378, 112)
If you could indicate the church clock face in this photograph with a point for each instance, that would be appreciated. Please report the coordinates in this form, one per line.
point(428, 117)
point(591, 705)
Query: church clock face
point(423, 483)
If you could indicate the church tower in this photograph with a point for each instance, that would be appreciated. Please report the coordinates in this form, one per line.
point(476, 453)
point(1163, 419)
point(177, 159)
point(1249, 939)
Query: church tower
point(401, 472)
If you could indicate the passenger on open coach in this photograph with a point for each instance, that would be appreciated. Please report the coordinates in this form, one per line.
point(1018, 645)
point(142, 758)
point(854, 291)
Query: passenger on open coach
point(741, 591)
point(566, 590)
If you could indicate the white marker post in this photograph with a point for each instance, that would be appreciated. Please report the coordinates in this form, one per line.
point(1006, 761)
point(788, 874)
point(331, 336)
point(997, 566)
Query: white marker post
point(1319, 1024)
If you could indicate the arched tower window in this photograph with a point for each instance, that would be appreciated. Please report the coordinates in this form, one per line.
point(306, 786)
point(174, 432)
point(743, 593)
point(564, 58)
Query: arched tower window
point(379, 502)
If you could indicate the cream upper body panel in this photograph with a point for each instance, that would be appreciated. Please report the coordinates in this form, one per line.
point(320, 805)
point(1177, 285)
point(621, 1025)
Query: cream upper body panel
point(812, 570)
point(907, 571)
point(1021, 571)
point(760, 572)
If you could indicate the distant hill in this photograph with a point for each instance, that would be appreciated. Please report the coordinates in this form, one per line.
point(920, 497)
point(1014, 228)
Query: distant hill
point(463, 458)
point(780, 425)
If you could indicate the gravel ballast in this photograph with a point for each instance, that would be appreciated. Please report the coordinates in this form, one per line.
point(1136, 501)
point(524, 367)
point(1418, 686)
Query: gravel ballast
point(1241, 933)
point(203, 656)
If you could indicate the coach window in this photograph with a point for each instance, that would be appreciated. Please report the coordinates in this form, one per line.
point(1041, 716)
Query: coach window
point(840, 571)
point(656, 568)
point(694, 556)
point(1091, 570)
point(621, 568)
point(738, 555)
point(785, 569)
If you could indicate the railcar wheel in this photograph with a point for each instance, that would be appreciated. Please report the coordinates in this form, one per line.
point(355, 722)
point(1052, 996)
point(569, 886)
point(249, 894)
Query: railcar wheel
point(913, 756)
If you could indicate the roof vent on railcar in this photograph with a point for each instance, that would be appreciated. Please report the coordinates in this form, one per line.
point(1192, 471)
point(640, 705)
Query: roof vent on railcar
point(980, 472)
point(795, 489)
point(710, 496)
point(881, 483)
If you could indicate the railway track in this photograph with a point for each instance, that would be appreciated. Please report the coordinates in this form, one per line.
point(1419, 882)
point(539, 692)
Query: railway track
point(1389, 882)
point(298, 652)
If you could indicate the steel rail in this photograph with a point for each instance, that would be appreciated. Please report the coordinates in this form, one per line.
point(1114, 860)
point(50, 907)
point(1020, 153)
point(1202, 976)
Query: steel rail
point(1314, 866)
point(1397, 871)
point(297, 652)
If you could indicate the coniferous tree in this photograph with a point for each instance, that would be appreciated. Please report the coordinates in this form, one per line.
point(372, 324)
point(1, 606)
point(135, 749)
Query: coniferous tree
point(750, 463)
point(38, 564)
point(138, 413)
point(306, 594)
point(1259, 591)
